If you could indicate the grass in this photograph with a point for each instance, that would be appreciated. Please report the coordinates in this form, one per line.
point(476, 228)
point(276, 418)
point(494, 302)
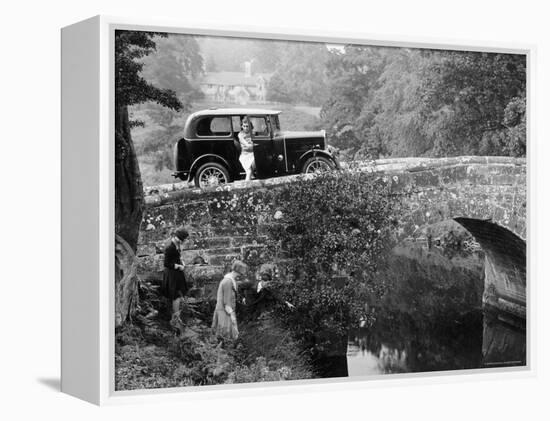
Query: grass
point(149, 354)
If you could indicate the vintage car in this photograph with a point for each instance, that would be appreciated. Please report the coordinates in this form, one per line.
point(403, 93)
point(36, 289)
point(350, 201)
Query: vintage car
point(208, 152)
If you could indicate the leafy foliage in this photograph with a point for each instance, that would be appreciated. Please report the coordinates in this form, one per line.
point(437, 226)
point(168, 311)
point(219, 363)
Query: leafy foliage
point(130, 87)
point(150, 356)
point(469, 92)
point(334, 252)
point(300, 74)
point(175, 66)
point(267, 352)
point(411, 102)
point(159, 71)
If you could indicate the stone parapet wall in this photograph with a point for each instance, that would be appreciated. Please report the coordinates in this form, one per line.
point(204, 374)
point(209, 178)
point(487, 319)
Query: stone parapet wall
point(226, 224)
point(232, 221)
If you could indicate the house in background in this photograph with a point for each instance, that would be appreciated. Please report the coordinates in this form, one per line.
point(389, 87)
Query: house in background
point(235, 87)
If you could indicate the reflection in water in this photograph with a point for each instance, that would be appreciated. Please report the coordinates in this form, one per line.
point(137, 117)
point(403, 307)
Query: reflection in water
point(361, 361)
point(504, 342)
point(431, 319)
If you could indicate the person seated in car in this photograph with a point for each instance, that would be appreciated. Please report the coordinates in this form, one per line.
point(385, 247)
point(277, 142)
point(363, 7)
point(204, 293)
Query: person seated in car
point(246, 157)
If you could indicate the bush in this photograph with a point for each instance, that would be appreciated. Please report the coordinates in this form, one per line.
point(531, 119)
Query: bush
point(267, 352)
point(333, 228)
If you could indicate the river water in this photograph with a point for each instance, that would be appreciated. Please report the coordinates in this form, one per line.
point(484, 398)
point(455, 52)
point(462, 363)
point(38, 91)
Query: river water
point(431, 319)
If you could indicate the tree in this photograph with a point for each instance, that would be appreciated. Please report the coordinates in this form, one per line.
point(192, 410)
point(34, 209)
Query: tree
point(277, 90)
point(300, 74)
point(130, 89)
point(353, 76)
point(467, 94)
point(175, 65)
point(413, 102)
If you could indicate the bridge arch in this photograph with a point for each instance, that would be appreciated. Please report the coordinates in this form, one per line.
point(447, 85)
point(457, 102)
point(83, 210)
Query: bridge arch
point(505, 265)
point(487, 196)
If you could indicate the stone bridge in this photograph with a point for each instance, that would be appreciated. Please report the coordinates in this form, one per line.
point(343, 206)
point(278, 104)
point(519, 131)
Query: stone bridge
point(487, 195)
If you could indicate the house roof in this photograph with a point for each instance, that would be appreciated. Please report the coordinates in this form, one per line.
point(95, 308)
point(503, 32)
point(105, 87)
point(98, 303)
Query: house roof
point(233, 78)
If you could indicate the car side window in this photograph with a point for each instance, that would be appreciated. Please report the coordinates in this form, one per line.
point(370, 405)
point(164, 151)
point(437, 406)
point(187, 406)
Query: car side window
point(260, 126)
point(214, 126)
point(236, 120)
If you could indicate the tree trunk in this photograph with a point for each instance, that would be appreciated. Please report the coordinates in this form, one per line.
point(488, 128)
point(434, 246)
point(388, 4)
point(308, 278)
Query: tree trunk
point(126, 282)
point(129, 201)
point(129, 197)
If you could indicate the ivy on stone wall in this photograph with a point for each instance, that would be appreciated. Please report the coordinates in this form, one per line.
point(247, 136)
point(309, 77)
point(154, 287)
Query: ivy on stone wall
point(333, 228)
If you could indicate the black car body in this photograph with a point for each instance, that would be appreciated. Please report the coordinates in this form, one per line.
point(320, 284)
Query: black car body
point(208, 151)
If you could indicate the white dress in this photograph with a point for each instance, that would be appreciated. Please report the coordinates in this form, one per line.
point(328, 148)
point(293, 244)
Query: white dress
point(246, 157)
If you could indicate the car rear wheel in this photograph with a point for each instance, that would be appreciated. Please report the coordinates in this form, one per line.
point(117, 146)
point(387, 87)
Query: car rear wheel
point(317, 164)
point(211, 174)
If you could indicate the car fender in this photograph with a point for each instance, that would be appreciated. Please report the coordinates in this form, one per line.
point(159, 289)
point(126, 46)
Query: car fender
point(207, 158)
point(315, 152)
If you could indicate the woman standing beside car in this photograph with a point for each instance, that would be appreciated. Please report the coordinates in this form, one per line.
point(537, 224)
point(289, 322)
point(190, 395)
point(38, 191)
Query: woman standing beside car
point(246, 157)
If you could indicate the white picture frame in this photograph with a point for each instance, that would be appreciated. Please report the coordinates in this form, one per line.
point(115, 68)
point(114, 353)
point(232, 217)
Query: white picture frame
point(88, 213)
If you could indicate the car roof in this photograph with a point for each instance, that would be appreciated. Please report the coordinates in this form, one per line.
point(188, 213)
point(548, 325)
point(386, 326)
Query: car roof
point(234, 111)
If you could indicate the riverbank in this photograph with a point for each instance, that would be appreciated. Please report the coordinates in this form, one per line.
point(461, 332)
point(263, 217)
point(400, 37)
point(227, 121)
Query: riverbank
point(151, 354)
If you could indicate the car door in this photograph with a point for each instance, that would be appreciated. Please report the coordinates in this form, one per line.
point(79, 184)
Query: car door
point(263, 147)
point(279, 163)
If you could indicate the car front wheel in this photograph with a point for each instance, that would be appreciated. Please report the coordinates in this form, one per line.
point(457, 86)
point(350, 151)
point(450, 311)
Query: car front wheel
point(317, 164)
point(211, 174)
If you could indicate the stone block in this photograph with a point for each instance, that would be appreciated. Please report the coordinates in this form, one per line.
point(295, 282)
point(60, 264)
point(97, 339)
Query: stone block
point(221, 251)
point(402, 182)
point(231, 230)
point(521, 180)
point(213, 242)
point(194, 214)
point(223, 260)
point(498, 215)
point(153, 235)
point(520, 203)
point(159, 217)
point(188, 256)
point(503, 179)
point(426, 179)
point(241, 240)
point(452, 175)
point(199, 275)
